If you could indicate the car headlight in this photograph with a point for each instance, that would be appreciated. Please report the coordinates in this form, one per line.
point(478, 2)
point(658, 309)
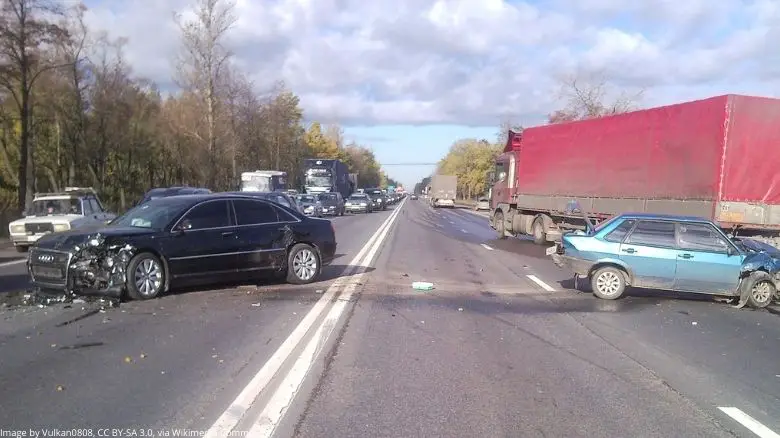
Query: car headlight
point(61, 227)
point(17, 229)
point(362, 204)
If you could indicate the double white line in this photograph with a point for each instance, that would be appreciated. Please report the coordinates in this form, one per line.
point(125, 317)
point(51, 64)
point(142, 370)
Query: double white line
point(277, 406)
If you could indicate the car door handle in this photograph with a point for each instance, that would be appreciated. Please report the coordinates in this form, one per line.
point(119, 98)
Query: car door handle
point(228, 233)
point(629, 250)
point(685, 256)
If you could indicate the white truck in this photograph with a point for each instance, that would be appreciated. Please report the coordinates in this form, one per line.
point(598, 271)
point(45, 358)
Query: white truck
point(75, 207)
point(263, 181)
point(443, 191)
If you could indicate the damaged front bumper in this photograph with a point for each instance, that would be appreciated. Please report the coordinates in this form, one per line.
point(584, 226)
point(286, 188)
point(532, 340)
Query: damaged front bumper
point(578, 266)
point(94, 267)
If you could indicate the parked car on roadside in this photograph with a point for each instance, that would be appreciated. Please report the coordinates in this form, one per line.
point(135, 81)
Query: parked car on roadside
point(483, 204)
point(677, 253)
point(184, 240)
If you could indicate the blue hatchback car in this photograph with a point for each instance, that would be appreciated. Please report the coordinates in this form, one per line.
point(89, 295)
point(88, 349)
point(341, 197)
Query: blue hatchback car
point(678, 253)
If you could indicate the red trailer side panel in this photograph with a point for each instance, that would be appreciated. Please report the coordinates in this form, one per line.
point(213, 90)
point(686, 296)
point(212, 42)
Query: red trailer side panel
point(671, 152)
point(751, 171)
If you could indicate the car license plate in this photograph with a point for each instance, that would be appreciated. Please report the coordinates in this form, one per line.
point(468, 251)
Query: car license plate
point(552, 250)
point(47, 272)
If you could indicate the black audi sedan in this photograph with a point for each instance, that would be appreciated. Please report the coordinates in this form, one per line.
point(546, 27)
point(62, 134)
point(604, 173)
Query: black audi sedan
point(178, 240)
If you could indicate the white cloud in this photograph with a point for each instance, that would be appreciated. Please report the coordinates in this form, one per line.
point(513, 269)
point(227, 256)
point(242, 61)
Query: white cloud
point(471, 62)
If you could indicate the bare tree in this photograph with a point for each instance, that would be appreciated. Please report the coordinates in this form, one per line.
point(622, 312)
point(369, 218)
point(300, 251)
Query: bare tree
point(590, 97)
point(25, 40)
point(203, 62)
point(503, 130)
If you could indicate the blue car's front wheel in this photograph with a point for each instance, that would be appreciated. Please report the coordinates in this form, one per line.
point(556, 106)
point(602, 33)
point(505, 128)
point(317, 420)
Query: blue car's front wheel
point(608, 283)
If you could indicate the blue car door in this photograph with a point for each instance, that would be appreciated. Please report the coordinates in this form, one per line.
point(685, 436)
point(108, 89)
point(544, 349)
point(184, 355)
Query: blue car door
point(650, 252)
point(707, 262)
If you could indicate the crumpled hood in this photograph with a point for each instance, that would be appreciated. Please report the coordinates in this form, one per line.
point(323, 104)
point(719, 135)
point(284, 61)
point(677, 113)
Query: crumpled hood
point(761, 256)
point(67, 240)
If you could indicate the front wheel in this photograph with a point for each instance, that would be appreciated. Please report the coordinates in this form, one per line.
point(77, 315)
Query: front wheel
point(608, 283)
point(303, 264)
point(762, 289)
point(145, 277)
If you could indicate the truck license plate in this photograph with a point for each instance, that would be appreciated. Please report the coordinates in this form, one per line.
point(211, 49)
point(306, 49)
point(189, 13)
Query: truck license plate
point(551, 250)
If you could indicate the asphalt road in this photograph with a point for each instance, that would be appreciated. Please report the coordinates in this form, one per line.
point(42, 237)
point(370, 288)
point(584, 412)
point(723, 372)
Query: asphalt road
point(503, 346)
point(490, 352)
point(156, 364)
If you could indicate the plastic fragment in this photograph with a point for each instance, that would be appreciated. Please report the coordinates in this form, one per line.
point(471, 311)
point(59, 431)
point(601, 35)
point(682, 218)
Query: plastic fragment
point(128, 359)
point(694, 323)
point(143, 355)
point(319, 291)
point(460, 309)
point(60, 388)
point(422, 285)
point(256, 304)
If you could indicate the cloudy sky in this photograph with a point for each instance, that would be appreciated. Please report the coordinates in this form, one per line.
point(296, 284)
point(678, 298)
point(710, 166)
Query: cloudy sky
point(409, 77)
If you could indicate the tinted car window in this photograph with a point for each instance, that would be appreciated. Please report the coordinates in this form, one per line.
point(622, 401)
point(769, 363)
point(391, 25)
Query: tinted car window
point(620, 232)
point(653, 233)
point(700, 237)
point(212, 214)
point(254, 212)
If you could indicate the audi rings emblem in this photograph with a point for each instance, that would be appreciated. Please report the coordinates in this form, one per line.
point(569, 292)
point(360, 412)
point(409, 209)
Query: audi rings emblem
point(45, 258)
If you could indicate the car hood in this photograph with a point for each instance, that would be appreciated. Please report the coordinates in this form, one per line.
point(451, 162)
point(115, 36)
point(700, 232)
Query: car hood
point(66, 241)
point(306, 204)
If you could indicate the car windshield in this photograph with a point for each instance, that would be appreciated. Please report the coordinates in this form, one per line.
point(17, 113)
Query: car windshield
point(327, 197)
point(357, 198)
point(307, 199)
point(155, 214)
point(46, 207)
point(605, 223)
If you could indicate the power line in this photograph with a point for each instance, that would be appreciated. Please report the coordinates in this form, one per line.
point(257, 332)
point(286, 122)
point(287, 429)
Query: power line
point(409, 164)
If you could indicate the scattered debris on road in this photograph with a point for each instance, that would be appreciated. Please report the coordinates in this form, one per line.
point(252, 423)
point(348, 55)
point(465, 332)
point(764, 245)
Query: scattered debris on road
point(422, 285)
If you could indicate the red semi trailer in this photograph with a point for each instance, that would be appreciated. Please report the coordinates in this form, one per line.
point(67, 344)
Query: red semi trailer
point(717, 158)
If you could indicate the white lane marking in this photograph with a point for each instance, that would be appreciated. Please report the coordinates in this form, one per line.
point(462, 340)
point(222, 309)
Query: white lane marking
point(542, 284)
point(12, 262)
point(749, 422)
point(486, 247)
point(274, 411)
point(236, 411)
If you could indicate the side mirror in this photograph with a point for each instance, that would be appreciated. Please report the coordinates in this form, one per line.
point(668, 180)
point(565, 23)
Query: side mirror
point(730, 251)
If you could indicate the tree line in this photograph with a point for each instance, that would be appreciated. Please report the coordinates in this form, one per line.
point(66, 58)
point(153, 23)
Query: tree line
point(472, 159)
point(73, 113)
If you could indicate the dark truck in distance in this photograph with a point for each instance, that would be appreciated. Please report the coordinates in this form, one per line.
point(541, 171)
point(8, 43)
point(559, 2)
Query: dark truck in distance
point(714, 158)
point(444, 189)
point(327, 176)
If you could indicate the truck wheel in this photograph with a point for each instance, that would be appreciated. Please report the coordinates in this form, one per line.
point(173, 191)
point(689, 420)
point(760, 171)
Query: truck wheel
point(498, 220)
point(540, 237)
point(762, 289)
point(608, 283)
